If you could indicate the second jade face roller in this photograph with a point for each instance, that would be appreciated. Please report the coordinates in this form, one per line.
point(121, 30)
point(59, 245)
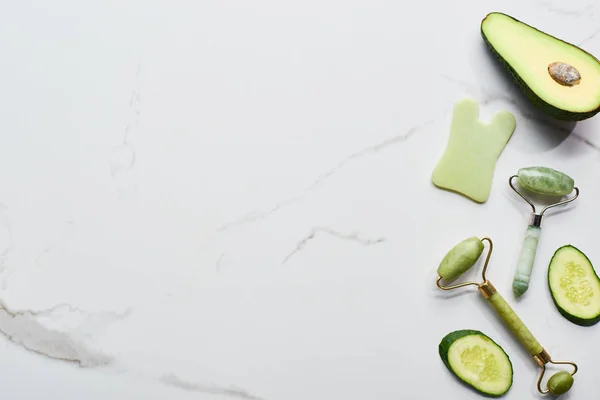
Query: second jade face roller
point(459, 260)
point(549, 183)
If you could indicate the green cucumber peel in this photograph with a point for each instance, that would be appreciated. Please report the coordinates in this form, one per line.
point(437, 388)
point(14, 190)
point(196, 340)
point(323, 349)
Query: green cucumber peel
point(574, 286)
point(491, 371)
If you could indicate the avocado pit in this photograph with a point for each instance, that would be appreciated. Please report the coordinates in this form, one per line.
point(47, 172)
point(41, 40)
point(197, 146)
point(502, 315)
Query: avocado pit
point(564, 74)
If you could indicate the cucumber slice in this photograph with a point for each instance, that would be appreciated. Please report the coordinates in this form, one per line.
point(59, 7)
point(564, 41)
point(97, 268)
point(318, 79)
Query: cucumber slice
point(575, 286)
point(478, 361)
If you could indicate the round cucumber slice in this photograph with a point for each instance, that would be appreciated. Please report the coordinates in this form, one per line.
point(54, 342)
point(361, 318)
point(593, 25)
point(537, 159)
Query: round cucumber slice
point(575, 286)
point(478, 361)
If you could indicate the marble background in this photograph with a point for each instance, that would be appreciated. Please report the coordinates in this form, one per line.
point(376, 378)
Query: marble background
point(232, 199)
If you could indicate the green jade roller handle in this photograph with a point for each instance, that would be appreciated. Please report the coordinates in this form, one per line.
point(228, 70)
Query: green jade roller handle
point(558, 383)
point(462, 257)
point(527, 256)
point(511, 319)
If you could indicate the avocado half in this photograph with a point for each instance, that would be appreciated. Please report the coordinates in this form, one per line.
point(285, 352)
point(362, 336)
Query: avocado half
point(561, 79)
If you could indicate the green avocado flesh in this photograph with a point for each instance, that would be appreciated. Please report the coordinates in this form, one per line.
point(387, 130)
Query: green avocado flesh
point(574, 286)
point(526, 53)
point(478, 361)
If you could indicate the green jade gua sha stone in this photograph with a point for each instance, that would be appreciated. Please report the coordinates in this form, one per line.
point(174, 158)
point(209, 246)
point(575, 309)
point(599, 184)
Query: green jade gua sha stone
point(469, 160)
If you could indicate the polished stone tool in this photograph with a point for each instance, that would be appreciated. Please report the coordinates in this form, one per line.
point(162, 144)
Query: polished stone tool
point(460, 259)
point(546, 182)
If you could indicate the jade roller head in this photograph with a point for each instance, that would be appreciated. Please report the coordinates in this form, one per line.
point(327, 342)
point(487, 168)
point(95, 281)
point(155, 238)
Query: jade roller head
point(546, 182)
point(458, 261)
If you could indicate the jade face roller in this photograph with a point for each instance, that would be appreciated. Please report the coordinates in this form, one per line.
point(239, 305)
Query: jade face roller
point(546, 182)
point(460, 259)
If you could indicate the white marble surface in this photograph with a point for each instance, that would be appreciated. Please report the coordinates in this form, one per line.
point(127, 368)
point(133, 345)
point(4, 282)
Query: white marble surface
point(232, 199)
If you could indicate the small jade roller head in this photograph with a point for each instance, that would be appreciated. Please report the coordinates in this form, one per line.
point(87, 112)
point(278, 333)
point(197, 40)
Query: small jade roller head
point(545, 181)
point(460, 258)
point(560, 383)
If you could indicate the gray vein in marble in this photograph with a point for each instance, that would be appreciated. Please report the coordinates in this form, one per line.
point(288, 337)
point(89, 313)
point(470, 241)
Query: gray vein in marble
point(589, 38)
point(41, 313)
point(124, 155)
point(259, 215)
point(173, 380)
point(550, 6)
point(367, 151)
point(23, 330)
point(57, 309)
point(219, 260)
point(488, 96)
point(354, 237)
point(586, 141)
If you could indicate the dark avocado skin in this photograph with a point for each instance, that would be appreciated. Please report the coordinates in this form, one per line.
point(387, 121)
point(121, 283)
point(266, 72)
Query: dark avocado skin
point(570, 317)
point(450, 338)
point(542, 105)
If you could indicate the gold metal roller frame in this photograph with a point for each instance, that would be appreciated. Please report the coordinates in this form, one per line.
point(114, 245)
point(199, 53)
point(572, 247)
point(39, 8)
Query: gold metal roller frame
point(512, 321)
